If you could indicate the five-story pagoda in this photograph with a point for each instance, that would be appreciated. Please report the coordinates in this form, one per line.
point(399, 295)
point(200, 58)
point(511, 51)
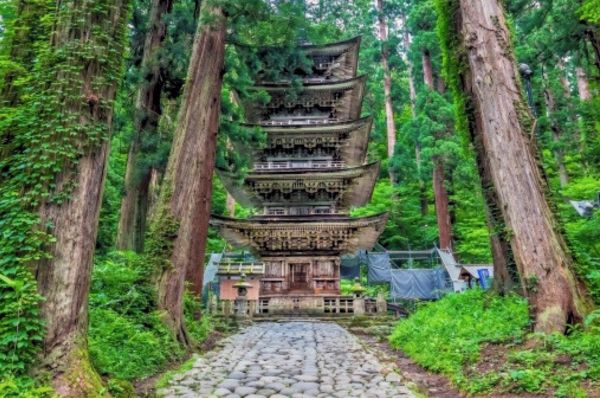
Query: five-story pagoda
point(312, 171)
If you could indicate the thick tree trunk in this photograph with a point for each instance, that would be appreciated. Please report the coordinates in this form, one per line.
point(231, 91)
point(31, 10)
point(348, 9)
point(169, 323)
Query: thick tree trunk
point(427, 69)
point(134, 207)
point(442, 208)
point(64, 279)
point(502, 129)
point(582, 85)
point(179, 231)
point(387, 84)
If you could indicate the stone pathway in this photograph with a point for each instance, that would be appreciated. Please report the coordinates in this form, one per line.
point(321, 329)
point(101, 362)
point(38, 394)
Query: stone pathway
point(292, 359)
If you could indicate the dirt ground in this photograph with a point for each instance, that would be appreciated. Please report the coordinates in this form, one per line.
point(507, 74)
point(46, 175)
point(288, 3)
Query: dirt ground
point(425, 383)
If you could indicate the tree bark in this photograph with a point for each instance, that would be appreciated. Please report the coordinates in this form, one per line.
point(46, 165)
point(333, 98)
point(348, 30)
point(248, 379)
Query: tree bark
point(180, 229)
point(582, 85)
point(427, 69)
point(441, 205)
point(502, 130)
point(411, 80)
point(64, 279)
point(230, 205)
point(387, 84)
point(134, 207)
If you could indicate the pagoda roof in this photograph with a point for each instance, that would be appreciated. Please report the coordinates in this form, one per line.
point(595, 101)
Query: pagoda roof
point(354, 185)
point(348, 106)
point(346, 53)
point(352, 137)
point(344, 65)
point(286, 236)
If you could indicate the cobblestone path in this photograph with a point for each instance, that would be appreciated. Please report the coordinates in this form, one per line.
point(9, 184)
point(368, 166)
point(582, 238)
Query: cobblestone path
point(292, 359)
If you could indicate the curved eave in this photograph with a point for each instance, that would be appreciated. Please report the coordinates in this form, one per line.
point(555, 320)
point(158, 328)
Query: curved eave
point(353, 151)
point(359, 194)
point(349, 110)
point(332, 48)
point(345, 53)
point(326, 85)
point(239, 192)
point(362, 190)
point(363, 232)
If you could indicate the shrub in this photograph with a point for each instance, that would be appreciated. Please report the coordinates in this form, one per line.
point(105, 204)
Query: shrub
point(445, 335)
point(128, 350)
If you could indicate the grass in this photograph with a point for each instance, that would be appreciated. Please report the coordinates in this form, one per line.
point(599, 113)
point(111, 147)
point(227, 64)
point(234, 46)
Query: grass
point(481, 343)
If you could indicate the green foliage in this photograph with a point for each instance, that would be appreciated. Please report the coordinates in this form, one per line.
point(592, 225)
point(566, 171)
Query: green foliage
point(590, 10)
point(465, 337)
point(23, 387)
point(20, 325)
point(447, 335)
point(128, 350)
point(127, 338)
point(372, 290)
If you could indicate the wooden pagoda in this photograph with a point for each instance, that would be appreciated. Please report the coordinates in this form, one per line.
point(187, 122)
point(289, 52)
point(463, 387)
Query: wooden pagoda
point(306, 179)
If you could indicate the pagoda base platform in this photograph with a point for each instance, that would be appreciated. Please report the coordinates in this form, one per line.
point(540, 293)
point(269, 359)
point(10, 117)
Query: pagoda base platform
point(304, 305)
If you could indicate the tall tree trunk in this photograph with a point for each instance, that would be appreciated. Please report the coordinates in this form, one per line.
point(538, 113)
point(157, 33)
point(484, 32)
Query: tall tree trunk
point(411, 79)
point(441, 85)
point(64, 279)
point(441, 205)
point(440, 193)
point(502, 130)
point(387, 84)
point(179, 231)
point(582, 85)
point(427, 69)
point(230, 205)
point(134, 207)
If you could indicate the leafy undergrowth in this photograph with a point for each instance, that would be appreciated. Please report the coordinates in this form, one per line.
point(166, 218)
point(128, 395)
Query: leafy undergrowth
point(127, 339)
point(480, 342)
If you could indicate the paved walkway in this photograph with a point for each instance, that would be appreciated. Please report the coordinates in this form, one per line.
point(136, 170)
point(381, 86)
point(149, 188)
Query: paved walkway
point(292, 359)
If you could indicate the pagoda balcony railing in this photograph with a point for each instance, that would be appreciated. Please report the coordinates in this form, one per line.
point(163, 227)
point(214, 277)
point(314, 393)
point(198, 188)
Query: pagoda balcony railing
point(302, 211)
point(298, 121)
point(231, 267)
point(276, 165)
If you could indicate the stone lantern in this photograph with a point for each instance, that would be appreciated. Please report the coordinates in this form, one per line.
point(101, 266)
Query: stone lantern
point(358, 305)
point(241, 301)
point(357, 289)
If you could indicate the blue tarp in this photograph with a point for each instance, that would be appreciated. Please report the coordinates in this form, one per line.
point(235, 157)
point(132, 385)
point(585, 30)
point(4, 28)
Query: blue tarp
point(379, 268)
point(424, 284)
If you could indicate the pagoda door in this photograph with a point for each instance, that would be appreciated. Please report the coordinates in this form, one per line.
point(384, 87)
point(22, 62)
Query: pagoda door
point(299, 276)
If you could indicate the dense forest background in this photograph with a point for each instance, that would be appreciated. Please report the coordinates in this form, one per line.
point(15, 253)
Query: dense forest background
point(429, 177)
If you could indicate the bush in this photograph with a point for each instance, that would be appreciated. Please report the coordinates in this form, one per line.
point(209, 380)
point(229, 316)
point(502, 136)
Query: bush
point(127, 350)
point(445, 335)
point(127, 338)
